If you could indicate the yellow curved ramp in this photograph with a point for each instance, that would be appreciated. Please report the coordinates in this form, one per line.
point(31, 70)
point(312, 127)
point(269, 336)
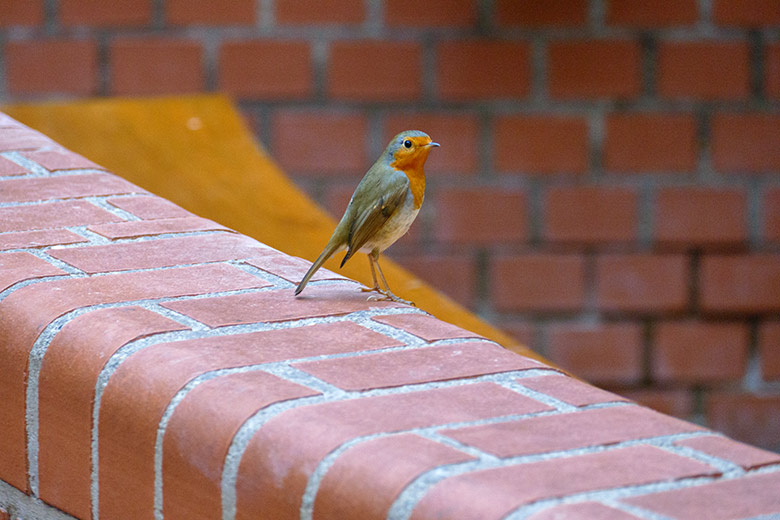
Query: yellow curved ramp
point(197, 152)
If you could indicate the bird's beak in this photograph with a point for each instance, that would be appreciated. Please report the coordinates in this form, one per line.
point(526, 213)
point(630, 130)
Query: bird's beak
point(436, 145)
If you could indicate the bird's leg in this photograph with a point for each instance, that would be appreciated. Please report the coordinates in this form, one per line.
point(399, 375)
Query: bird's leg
point(375, 288)
point(386, 294)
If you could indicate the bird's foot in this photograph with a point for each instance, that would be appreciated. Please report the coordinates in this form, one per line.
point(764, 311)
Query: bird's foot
point(387, 296)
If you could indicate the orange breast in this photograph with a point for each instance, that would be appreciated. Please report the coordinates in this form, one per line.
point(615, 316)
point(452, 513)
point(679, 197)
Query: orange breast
point(416, 175)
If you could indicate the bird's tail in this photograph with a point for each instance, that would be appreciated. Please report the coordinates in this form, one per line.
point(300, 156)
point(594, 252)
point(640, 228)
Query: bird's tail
point(326, 253)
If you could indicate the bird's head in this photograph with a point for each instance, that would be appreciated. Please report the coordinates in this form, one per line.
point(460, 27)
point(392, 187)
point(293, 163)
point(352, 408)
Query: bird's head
point(409, 150)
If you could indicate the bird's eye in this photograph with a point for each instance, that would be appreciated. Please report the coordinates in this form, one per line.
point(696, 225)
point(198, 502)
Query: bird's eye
point(408, 143)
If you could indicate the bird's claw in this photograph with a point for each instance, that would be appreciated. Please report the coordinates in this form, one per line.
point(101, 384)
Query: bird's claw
point(383, 296)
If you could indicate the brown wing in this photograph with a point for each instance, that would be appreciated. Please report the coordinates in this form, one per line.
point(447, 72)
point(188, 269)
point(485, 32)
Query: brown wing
point(370, 220)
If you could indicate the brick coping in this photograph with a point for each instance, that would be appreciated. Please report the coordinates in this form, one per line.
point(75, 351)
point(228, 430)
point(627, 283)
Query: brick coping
point(156, 364)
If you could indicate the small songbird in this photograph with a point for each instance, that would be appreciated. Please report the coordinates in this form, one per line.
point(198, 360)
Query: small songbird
point(384, 205)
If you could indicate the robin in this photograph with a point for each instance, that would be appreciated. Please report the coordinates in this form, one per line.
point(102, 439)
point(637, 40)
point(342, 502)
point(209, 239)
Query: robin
point(384, 205)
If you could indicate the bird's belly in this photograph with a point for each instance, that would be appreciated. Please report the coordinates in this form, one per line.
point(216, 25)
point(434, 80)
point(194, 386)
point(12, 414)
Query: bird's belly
point(394, 228)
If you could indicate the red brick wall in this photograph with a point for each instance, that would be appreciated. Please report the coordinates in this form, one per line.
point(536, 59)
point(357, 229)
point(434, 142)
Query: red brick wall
point(609, 182)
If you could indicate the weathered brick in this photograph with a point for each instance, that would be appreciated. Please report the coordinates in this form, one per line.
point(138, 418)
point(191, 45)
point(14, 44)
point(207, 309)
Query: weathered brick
point(327, 12)
point(553, 13)
point(470, 70)
point(187, 12)
point(102, 14)
point(52, 215)
point(149, 208)
point(266, 69)
point(569, 390)
point(683, 352)
point(21, 12)
point(694, 70)
point(754, 419)
point(769, 350)
point(303, 142)
point(701, 217)
point(609, 353)
point(9, 168)
point(425, 327)
point(161, 226)
point(61, 66)
point(60, 160)
point(749, 457)
point(642, 283)
point(593, 69)
point(746, 142)
point(740, 283)
point(72, 186)
point(437, 13)
point(647, 142)
point(41, 238)
point(378, 71)
point(527, 483)
point(481, 215)
point(582, 511)
point(20, 266)
point(652, 14)
point(538, 282)
point(541, 144)
point(590, 215)
point(155, 66)
point(746, 13)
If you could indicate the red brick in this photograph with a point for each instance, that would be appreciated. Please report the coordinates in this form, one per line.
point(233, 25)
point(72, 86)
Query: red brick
point(155, 227)
point(769, 350)
point(754, 419)
point(642, 283)
point(748, 457)
point(155, 66)
point(582, 511)
point(303, 142)
point(290, 268)
point(701, 217)
point(67, 382)
point(100, 13)
point(677, 402)
point(512, 486)
point(481, 216)
point(541, 144)
point(327, 12)
point(414, 366)
point(141, 388)
point(53, 214)
point(199, 434)
point(55, 160)
point(719, 500)
point(272, 306)
point(695, 70)
point(454, 275)
point(189, 12)
point(609, 353)
point(748, 142)
point(164, 252)
point(368, 70)
point(594, 69)
point(684, 352)
point(569, 390)
point(344, 493)
point(61, 66)
point(740, 283)
point(538, 283)
point(652, 14)
point(424, 326)
point(42, 238)
point(470, 70)
point(266, 69)
point(20, 138)
point(458, 133)
point(553, 13)
point(149, 207)
point(65, 187)
point(8, 168)
point(436, 13)
point(21, 12)
point(746, 13)
point(590, 215)
point(569, 431)
point(262, 490)
point(30, 308)
point(20, 266)
point(772, 70)
point(646, 142)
